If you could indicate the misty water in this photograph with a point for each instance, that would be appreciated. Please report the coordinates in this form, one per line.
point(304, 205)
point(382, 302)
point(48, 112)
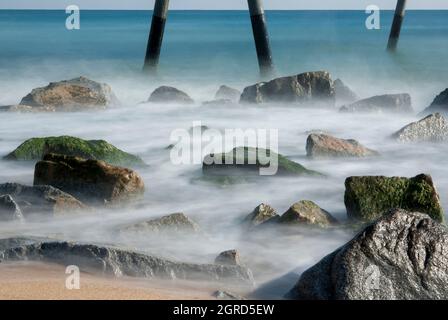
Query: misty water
point(203, 50)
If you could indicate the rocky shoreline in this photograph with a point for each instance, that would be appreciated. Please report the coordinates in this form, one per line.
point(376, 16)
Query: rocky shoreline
point(398, 221)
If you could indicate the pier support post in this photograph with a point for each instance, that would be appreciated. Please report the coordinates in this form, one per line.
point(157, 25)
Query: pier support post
point(156, 35)
point(396, 25)
point(261, 37)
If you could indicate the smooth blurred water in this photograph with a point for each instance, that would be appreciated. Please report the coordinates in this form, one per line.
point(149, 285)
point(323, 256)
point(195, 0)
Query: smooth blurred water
point(202, 50)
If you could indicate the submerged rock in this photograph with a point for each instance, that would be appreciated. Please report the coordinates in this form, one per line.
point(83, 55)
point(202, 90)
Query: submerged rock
point(309, 87)
point(227, 93)
point(397, 103)
point(9, 209)
point(218, 102)
point(307, 213)
point(229, 257)
point(440, 104)
point(42, 199)
point(368, 198)
point(260, 215)
point(176, 223)
point(343, 93)
point(71, 95)
point(26, 109)
point(36, 148)
point(252, 161)
point(92, 181)
point(400, 257)
point(166, 94)
point(118, 261)
point(325, 146)
point(226, 295)
point(433, 128)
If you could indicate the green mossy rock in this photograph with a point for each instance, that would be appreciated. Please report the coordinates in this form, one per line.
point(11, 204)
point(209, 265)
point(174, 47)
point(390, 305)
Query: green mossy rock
point(238, 163)
point(36, 148)
point(370, 197)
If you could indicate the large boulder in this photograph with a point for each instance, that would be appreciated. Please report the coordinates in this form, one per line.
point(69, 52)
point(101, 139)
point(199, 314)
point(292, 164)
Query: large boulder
point(9, 209)
point(390, 103)
point(433, 128)
point(440, 104)
point(71, 95)
point(326, 146)
point(36, 148)
point(166, 94)
point(92, 181)
point(343, 93)
point(261, 214)
point(309, 87)
point(227, 93)
point(42, 200)
point(403, 256)
point(307, 213)
point(252, 162)
point(176, 224)
point(367, 198)
point(118, 261)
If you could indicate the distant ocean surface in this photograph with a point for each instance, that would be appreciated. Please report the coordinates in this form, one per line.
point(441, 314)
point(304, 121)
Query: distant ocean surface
point(200, 44)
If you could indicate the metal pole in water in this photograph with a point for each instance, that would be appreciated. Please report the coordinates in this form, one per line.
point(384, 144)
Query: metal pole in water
point(156, 35)
point(396, 25)
point(261, 37)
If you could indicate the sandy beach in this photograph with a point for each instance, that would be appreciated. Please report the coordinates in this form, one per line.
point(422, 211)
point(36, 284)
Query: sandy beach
point(43, 281)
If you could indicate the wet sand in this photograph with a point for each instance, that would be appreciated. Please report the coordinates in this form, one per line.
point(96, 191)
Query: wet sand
point(44, 281)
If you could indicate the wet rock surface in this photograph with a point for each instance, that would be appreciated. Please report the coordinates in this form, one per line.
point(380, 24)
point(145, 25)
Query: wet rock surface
point(227, 93)
point(69, 95)
point(42, 199)
point(433, 128)
point(9, 209)
point(229, 257)
point(92, 181)
point(367, 198)
point(343, 93)
point(307, 213)
point(247, 161)
point(326, 146)
point(117, 261)
point(167, 94)
point(176, 223)
point(261, 214)
point(309, 87)
point(401, 256)
point(36, 148)
point(393, 103)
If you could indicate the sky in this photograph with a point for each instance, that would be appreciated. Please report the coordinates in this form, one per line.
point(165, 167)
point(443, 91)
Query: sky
point(219, 4)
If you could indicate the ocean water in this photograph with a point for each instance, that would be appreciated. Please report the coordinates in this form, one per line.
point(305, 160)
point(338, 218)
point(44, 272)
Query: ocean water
point(202, 50)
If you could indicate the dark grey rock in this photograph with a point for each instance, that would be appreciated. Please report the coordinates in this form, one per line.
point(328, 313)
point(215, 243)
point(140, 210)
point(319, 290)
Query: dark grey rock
point(9, 209)
point(166, 94)
point(393, 103)
point(117, 261)
point(440, 104)
point(229, 257)
point(402, 256)
point(343, 93)
point(309, 87)
point(41, 199)
point(227, 93)
point(433, 128)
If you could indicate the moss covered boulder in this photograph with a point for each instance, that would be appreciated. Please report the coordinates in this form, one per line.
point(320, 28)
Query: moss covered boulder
point(367, 198)
point(36, 148)
point(306, 212)
point(248, 161)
